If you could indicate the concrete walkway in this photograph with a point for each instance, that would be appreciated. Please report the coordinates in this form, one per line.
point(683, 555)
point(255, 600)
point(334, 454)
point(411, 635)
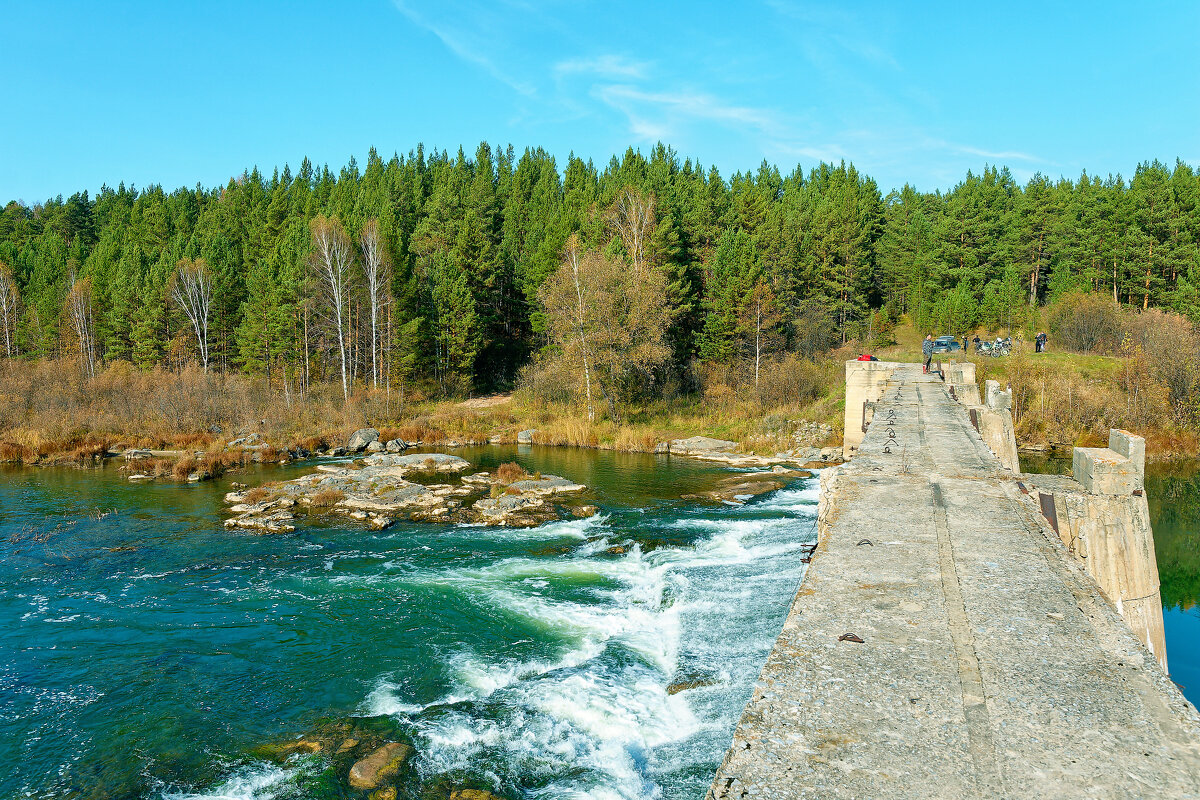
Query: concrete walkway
point(991, 665)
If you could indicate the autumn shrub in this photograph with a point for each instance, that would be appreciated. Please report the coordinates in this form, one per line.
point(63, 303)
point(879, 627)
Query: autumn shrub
point(257, 494)
point(159, 467)
point(13, 452)
point(1085, 322)
point(1169, 348)
point(214, 464)
point(792, 379)
point(510, 472)
point(314, 443)
point(184, 467)
point(326, 498)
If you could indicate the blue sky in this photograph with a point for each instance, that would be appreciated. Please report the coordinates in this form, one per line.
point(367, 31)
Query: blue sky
point(179, 92)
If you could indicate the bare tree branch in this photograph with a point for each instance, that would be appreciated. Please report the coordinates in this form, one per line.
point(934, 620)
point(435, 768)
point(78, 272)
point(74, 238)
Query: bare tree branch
point(192, 290)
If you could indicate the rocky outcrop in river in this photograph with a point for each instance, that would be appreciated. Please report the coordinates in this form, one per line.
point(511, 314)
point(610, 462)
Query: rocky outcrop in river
point(384, 487)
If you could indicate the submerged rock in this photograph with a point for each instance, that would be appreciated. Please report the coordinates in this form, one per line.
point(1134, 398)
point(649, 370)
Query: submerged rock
point(419, 462)
point(473, 794)
point(546, 485)
point(367, 773)
point(739, 488)
point(514, 510)
point(685, 683)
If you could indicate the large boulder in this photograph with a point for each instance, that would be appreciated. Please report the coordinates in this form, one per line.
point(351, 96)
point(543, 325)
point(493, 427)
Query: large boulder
point(361, 438)
point(395, 446)
point(526, 437)
point(701, 445)
point(367, 773)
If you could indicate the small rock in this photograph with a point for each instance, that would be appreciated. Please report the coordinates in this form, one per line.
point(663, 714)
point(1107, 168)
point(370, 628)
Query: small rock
point(690, 682)
point(375, 447)
point(395, 446)
point(336, 451)
point(472, 794)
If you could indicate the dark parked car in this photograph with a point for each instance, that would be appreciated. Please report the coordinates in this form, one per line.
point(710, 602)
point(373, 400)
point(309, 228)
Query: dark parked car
point(946, 344)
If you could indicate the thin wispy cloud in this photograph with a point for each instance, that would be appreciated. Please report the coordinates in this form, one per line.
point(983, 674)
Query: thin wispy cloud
point(842, 28)
point(998, 155)
point(465, 45)
point(605, 66)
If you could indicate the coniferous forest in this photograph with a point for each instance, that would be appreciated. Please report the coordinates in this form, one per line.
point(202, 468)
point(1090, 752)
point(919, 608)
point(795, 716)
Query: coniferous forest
point(437, 269)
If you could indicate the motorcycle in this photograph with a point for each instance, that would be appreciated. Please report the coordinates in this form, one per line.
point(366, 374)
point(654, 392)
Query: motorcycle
point(996, 349)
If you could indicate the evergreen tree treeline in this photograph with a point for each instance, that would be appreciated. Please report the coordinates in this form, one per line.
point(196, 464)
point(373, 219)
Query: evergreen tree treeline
point(463, 244)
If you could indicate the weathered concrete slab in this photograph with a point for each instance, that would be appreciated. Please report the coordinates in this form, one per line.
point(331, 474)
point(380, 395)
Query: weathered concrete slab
point(990, 666)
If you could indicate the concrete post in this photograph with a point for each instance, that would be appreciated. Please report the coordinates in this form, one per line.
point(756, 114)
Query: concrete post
point(1108, 529)
point(865, 382)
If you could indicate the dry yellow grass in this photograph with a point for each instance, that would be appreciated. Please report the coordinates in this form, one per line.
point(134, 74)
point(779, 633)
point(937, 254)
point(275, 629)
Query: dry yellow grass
point(509, 472)
point(327, 498)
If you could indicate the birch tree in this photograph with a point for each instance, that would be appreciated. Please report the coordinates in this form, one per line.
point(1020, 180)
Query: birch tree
point(79, 310)
point(574, 315)
point(192, 292)
point(631, 218)
point(377, 273)
point(608, 321)
point(759, 321)
point(9, 300)
point(332, 260)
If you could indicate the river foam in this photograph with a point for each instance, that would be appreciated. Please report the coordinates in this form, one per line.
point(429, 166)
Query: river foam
point(602, 720)
point(634, 661)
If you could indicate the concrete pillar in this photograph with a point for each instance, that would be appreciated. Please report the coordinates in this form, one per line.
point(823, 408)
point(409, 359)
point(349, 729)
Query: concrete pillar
point(865, 382)
point(960, 379)
point(995, 427)
point(996, 398)
point(1129, 445)
point(1108, 529)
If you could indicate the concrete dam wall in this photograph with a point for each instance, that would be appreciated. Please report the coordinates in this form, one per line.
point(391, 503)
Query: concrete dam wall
point(965, 630)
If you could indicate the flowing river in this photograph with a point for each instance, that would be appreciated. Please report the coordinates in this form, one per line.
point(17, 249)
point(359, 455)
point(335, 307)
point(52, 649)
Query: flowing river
point(145, 651)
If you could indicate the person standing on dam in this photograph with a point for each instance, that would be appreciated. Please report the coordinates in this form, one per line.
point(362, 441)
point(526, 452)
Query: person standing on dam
point(927, 350)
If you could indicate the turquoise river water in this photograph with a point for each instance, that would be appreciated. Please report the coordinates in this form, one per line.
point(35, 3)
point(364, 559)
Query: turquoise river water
point(145, 651)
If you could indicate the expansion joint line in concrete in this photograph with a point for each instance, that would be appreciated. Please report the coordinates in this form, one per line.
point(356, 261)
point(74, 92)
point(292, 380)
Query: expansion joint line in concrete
point(979, 729)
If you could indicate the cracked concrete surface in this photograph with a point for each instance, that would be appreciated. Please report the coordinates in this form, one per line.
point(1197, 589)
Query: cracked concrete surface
point(991, 664)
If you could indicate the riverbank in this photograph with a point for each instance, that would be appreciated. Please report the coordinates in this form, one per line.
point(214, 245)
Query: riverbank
point(49, 414)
